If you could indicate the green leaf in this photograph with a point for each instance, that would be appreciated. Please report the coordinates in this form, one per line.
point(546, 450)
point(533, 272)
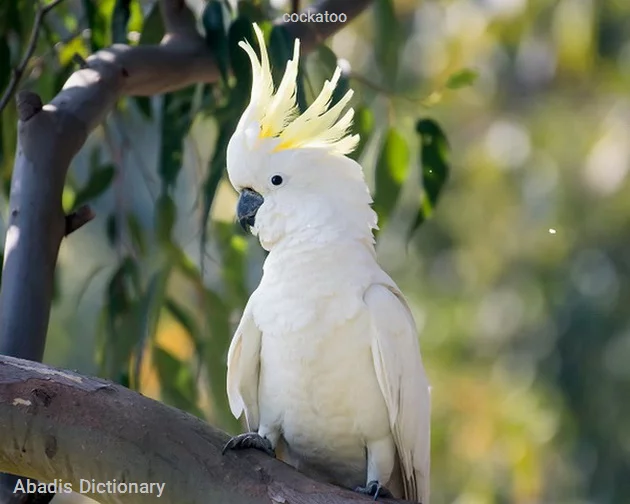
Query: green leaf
point(215, 173)
point(150, 307)
point(187, 321)
point(100, 179)
point(363, 125)
point(165, 215)
point(388, 39)
point(461, 78)
point(177, 382)
point(391, 171)
point(120, 20)
point(111, 229)
point(281, 44)
point(119, 330)
point(152, 33)
point(97, 23)
point(218, 316)
point(435, 167)
point(153, 26)
point(241, 29)
point(137, 235)
point(321, 65)
point(213, 19)
point(176, 121)
point(233, 249)
point(5, 64)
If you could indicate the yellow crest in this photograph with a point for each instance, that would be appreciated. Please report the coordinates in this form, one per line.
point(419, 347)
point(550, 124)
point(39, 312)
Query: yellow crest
point(278, 115)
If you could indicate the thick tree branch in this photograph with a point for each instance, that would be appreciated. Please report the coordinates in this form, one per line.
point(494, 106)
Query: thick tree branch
point(18, 71)
point(57, 424)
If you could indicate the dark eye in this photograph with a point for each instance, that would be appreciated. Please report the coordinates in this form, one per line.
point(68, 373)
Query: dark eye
point(276, 180)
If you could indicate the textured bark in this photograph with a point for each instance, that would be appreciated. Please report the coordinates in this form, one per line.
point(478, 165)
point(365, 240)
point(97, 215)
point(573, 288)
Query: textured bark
point(57, 424)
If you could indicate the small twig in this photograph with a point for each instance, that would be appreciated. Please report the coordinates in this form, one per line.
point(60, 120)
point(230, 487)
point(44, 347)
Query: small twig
point(295, 6)
point(78, 218)
point(79, 60)
point(18, 72)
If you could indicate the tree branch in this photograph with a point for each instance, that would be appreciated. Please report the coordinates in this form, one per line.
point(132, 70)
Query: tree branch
point(312, 34)
point(57, 424)
point(18, 71)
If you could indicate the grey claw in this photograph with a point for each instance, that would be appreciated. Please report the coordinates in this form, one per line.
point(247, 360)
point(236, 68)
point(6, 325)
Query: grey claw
point(249, 440)
point(376, 489)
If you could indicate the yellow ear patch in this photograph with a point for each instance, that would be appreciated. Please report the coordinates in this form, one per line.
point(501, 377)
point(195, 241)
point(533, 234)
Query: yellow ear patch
point(320, 126)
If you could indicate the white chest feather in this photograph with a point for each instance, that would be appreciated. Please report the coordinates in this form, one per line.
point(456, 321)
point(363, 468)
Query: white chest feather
point(317, 379)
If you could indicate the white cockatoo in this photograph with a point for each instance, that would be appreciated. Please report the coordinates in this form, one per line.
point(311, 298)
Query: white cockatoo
point(325, 363)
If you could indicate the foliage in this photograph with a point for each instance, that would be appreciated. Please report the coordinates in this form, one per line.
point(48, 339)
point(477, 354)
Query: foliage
point(516, 277)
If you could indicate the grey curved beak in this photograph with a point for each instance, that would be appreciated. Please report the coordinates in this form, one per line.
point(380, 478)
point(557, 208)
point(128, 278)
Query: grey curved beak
point(248, 204)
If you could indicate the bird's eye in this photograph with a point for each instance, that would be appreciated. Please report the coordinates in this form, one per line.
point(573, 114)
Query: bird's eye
point(276, 180)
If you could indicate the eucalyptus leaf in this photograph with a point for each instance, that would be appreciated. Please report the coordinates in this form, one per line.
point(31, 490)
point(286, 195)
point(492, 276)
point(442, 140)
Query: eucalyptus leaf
point(391, 172)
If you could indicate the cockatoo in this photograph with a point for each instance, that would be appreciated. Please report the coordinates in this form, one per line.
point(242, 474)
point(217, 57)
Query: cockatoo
point(325, 362)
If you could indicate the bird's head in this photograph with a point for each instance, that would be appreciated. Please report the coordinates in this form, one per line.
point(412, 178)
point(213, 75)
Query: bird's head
point(291, 169)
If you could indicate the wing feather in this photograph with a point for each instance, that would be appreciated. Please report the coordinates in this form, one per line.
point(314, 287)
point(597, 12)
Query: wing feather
point(404, 385)
point(244, 370)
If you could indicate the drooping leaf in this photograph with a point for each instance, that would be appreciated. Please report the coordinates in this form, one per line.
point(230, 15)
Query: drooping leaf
point(150, 306)
point(5, 64)
point(434, 165)
point(111, 229)
point(176, 121)
point(152, 32)
point(321, 65)
point(461, 78)
point(118, 332)
point(281, 44)
point(97, 23)
point(213, 18)
point(165, 215)
point(99, 181)
point(216, 170)
point(153, 26)
point(218, 313)
point(241, 29)
point(388, 39)
point(363, 125)
point(120, 20)
point(391, 171)
point(177, 381)
point(233, 250)
point(187, 321)
point(136, 234)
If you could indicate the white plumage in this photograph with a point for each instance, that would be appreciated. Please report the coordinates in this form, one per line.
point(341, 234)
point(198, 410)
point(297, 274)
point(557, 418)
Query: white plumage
point(325, 362)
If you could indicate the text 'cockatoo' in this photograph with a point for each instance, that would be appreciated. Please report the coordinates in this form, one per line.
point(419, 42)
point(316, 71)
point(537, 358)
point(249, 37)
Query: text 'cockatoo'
point(325, 363)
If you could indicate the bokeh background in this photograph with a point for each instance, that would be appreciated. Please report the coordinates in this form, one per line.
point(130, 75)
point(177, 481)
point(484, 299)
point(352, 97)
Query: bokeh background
point(518, 280)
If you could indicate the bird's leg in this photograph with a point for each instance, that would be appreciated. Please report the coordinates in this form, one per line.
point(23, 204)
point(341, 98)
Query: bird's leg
point(375, 489)
point(250, 440)
point(381, 456)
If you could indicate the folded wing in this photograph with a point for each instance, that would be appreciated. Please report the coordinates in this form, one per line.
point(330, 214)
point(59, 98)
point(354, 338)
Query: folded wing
point(404, 385)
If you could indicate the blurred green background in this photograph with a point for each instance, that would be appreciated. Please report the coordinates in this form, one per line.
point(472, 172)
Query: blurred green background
point(518, 279)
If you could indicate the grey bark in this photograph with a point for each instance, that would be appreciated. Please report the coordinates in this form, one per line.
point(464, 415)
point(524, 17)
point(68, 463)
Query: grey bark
point(57, 424)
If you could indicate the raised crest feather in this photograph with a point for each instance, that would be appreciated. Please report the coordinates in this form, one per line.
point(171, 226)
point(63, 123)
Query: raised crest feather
point(320, 126)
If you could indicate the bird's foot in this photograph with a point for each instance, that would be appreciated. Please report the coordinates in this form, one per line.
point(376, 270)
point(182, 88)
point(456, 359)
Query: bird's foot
point(250, 440)
point(375, 489)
